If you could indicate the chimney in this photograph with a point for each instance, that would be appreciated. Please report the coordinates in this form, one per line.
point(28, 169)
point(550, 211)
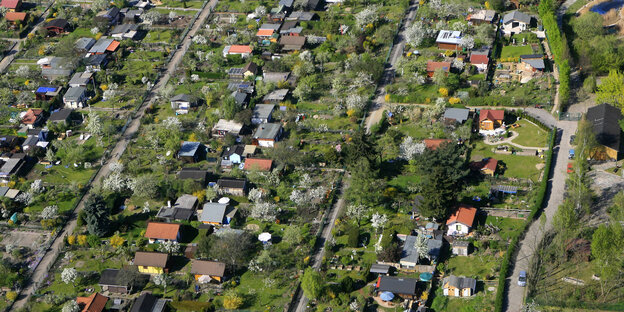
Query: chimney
point(169, 203)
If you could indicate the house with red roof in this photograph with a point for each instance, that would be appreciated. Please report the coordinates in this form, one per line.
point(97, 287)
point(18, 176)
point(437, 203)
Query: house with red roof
point(162, 232)
point(489, 119)
point(433, 144)
point(11, 5)
point(461, 220)
point(433, 66)
point(236, 49)
point(93, 303)
point(480, 61)
point(15, 18)
point(32, 118)
point(258, 164)
point(486, 166)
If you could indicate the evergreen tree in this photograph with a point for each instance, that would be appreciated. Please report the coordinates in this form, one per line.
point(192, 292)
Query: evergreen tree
point(96, 216)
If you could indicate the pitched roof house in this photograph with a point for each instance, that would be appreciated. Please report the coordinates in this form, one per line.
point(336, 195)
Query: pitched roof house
point(111, 280)
point(236, 187)
point(258, 164)
point(533, 62)
point(487, 166)
point(182, 103)
point(16, 17)
point(480, 61)
point(433, 144)
point(224, 127)
point(461, 221)
point(262, 113)
point(57, 26)
point(481, 17)
point(46, 93)
point(196, 174)
point(183, 209)
point(489, 119)
point(84, 44)
point(75, 97)
point(400, 286)
point(11, 5)
point(243, 50)
point(455, 286)
point(125, 31)
point(217, 214)
point(33, 117)
point(459, 115)
point(61, 116)
point(160, 231)
point(292, 43)
point(111, 16)
point(93, 303)
point(104, 45)
point(151, 262)
point(605, 121)
point(410, 256)
point(433, 66)
point(275, 97)
point(148, 303)
point(267, 134)
point(205, 271)
point(515, 22)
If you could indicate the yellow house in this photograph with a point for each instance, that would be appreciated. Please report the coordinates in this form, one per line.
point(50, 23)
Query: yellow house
point(490, 119)
point(151, 262)
point(206, 271)
point(604, 119)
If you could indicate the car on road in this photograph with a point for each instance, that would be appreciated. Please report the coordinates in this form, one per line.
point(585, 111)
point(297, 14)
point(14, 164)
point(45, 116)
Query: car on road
point(571, 154)
point(572, 138)
point(522, 278)
point(570, 168)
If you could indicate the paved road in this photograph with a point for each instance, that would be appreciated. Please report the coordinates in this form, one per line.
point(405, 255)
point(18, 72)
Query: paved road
point(42, 269)
point(377, 107)
point(301, 301)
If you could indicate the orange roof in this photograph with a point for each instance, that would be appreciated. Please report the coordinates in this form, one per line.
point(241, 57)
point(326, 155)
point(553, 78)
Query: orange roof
point(433, 144)
point(239, 49)
point(432, 66)
point(10, 4)
point(15, 16)
point(93, 303)
point(463, 214)
point(161, 230)
point(113, 46)
point(258, 164)
point(491, 114)
point(31, 116)
point(263, 32)
point(491, 164)
point(479, 59)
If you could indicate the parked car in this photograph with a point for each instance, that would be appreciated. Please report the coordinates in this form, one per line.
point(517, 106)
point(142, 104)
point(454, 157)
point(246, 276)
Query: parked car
point(522, 277)
point(572, 138)
point(571, 154)
point(570, 168)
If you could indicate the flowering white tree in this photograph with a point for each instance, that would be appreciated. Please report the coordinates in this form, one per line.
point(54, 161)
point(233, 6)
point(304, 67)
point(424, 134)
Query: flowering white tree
point(260, 11)
point(95, 30)
point(354, 306)
point(458, 63)
point(305, 181)
point(172, 15)
point(150, 17)
point(194, 77)
point(362, 80)
point(169, 247)
point(71, 306)
point(467, 42)
point(299, 197)
point(410, 147)
point(94, 126)
point(255, 195)
point(378, 221)
point(162, 280)
point(115, 182)
point(264, 212)
point(25, 198)
point(367, 16)
point(49, 212)
point(69, 276)
point(199, 39)
point(172, 123)
point(306, 56)
point(212, 192)
point(357, 212)
point(116, 167)
point(36, 187)
point(23, 71)
point(459, 26)
point(418, 32)
point(420, 245)
point(356, 101)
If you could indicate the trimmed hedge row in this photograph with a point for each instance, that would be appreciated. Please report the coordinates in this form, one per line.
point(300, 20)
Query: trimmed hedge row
point(556, 43)
point(500, 293)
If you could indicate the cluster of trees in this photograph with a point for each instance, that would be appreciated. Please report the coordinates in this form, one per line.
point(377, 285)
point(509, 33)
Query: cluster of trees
point(593, 48)
point(558, 46)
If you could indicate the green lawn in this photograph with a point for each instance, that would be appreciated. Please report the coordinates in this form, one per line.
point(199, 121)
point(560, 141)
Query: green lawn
point(517, 166)
point(159, 36)
point(61, 175)
point(516, 51)
point(508, 227)
point(476, 266)
point(530, 135)
point(182, 4)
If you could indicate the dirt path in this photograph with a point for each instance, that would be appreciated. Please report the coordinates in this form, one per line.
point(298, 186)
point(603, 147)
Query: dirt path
point(41, 271)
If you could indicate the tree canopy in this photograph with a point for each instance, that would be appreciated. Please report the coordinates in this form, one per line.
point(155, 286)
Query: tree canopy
point(96, 216)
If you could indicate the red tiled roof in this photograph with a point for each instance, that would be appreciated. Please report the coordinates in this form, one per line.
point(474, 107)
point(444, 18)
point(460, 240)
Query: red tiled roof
point(93, 303)
point(258, 164)
point(113, 46)
point(264, 32)
point(479, 59)
point(31, 116)
point(432, 66)
point(491, 164)
point(433, 144)
point(15, 16)
point(491, 114)
point(239, 49)
point(463, 214)
point(10, 4)
point(161, 230)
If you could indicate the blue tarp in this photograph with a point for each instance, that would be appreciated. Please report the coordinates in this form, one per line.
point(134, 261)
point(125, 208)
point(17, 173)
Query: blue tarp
point(45, 89)
point(386, 296)
point(14, 217)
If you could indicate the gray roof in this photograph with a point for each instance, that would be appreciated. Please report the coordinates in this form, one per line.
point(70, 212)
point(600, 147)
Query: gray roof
point(380, 268)
point(101, 45)
point(96, 60)
point(275, 76)
point(410, 254)
point(61, 114)
point(124, 28)
point(301, 16)
point(286, 3)
point(110, 277)
point(459, 114)
point(398, 285)
point(267, 131)
point(231, 183)
point(535, 63)
point(276, 95)
point(242, 86)
point(482, 51)
point(84, 43)
point(239, 97)
point(188, 149)
point(185, 201)
point(434, 246)
point(516, 16)
point(270, 26)
point(192, 173)
point(213, 212)
point(9, 166)
point(263, 111)
point(183, 97)
point(236, 149)
point(148, 303)
point(80, 79)
point(460, 282)
point(605, 120)
point(74, 93)
point(3, 190)
point(175, 213)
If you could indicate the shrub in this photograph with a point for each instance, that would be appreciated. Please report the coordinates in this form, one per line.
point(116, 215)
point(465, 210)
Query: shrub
point(353, 237)
point(11, 296)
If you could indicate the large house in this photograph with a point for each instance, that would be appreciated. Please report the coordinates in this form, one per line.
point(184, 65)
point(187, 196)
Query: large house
point(151, 262)
point(401, 286)
point(455, 286)
point(604, 119)
point(490, 119)
point(449, 39)
point(206, 271)
point(515, 22)
point(93, 303)
point(161, 232)
point(461, 221)
point(267, 134)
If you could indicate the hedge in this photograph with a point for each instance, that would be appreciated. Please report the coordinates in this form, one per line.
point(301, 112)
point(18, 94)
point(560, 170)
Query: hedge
point(556, 43)
point(500, 293)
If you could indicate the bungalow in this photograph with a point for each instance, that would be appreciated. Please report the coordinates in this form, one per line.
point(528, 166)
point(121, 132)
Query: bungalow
point(93, 303)
point(240, 98)
point(242, 86)
point(249, 70)
point(80, 79)
point(449, 40)
point(217, 214)
point(486, 166)
point(225, 127)
point(236, 187)
point(195, 174)
point(459, 286)
point(266, 36)
point(410, 257)
point(461, 221)
point(111, 280)
point(604, 119)
point(457, 115)
point(182, 103)
point(110, 16)
point(125, 31)
point(482, 17)
point(233, 154)
point(267, 134)
point(45, 93)
point(480, 60)
point(301, 16)
point(10, 167)
point(262, 113)
point(57, 26)
point(161, 232)
point(35, 138)
point(382, 269)
point(131, 16)
point(276, 16)
point(61, 116)
point(32, 118)
point(432, 67)
point(104, 45)
point(243, 50)
point(460, 247)
point(149, 303)
point(275, 97)
point(84, 44)
point(258, 164)
point(55, 67)
point(151, 262)
point(75, 97)
point(401, 286)
point(191, 151)
point(96, 62)
point(515, 22)
point(16, 18)
point(276, 77)
point(206, 271)
point(291, 28)
point(489, 119)
point(183, 209)
point(532, 63)
point(292, 43)
point(434, 144)
point(11, 5)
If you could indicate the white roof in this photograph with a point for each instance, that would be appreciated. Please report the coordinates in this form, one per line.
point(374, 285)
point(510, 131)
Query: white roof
point(449, 36)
